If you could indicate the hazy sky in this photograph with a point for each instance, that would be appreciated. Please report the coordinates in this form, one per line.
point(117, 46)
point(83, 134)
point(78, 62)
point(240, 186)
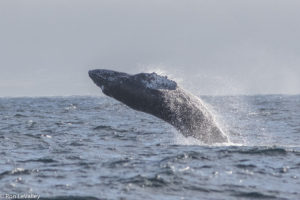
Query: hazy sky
point(209, 46)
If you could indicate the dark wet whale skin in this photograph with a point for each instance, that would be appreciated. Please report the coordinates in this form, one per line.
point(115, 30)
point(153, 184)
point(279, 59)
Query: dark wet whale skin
point(161, 97)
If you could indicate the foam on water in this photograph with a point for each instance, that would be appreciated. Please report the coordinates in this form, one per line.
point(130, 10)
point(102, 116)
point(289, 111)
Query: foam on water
point(179, 139)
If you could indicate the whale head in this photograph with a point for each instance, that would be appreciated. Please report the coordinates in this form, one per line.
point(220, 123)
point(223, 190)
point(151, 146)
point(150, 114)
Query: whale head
point(133, 90)
point(108, 80)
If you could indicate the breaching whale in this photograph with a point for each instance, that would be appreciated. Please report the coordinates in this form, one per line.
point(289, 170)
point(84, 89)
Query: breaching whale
point(163, 98)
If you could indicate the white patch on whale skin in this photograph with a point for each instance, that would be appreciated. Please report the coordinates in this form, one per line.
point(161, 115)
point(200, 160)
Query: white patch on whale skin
point(159, 82)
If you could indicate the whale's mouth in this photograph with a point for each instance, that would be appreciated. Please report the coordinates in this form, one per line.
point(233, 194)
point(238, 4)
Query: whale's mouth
point(99, 77)
point(104, 77)
point(92, 74)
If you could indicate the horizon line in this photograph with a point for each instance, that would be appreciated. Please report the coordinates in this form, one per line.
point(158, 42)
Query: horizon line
point(102, 95)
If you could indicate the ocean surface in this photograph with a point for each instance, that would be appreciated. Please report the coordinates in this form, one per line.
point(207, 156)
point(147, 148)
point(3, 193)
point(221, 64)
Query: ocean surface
point(85, 147)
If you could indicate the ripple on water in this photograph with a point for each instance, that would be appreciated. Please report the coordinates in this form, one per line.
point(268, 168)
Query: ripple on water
point(16, 171)
point(41, 160)
point(126, 162)
point(269, 151)
point(246, 166)
point(102, 149)
point(253, 195)
point(20, 116)
point(191, 155)
point(155, 181)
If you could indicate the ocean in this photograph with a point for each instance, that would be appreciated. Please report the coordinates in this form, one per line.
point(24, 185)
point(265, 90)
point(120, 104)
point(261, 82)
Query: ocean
point(93, 147)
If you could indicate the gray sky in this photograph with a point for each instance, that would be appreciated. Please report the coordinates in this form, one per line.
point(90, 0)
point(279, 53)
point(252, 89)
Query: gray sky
point(209, 46)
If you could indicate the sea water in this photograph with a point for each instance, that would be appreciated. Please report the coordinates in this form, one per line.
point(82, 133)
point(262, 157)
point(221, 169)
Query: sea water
point(97, 148)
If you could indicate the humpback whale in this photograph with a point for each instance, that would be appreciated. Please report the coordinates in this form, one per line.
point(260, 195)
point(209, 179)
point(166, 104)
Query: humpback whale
point(159, 96)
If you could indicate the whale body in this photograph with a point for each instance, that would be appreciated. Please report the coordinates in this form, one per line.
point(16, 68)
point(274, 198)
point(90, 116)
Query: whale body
point(163, 98)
